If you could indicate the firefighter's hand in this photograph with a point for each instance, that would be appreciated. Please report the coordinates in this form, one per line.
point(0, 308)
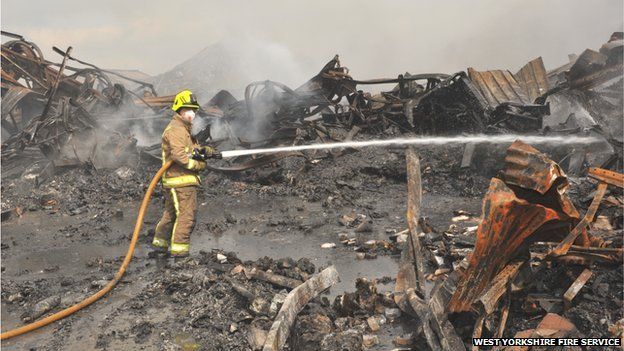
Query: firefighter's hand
point(211, 152)
point(205, 152)
point(198, 155)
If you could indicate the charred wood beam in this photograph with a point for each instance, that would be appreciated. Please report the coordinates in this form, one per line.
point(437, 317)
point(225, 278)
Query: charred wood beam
point(566, 243)
point(272, 278)
point(576, 286)
point(489, 299)
point(294, 302)
point(410, 293)
point(414, 198)
point(423, 312)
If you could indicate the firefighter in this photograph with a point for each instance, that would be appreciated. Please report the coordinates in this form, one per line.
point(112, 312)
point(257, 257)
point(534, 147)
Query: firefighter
point(180, 181)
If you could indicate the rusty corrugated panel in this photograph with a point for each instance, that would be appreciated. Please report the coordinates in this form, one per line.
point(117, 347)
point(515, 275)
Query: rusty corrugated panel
point(533, 78)
point(528, 204)
point(530, 169)
point(508, 222)
point(498, 86)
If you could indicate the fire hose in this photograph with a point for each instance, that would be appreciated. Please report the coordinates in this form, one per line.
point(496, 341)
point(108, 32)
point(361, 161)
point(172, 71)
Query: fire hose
point(122, 269)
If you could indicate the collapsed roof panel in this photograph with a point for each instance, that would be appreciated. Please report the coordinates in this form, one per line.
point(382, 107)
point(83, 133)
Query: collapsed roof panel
point(533, 77)
point(498, 86)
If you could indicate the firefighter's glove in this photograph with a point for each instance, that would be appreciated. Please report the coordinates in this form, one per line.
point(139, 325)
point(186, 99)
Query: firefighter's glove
point(206, 152)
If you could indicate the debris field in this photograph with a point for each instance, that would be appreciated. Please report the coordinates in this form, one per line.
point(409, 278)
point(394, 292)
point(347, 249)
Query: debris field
point(343, 249)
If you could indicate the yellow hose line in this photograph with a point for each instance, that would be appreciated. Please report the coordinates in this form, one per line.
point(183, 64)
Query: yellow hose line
point(91, 299)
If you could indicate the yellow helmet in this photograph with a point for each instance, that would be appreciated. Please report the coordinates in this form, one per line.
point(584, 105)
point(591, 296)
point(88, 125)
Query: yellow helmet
point(185, 98)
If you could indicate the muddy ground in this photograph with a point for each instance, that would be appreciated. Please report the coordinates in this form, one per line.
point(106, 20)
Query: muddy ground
point(75, 229)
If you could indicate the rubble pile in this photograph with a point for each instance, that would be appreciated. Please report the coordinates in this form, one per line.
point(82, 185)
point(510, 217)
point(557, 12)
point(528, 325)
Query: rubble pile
point(528, 225)
point(64, 112)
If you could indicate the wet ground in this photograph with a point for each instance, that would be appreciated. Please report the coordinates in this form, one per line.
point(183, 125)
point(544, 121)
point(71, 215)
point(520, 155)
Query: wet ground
point(75, 230)
point(62, 247)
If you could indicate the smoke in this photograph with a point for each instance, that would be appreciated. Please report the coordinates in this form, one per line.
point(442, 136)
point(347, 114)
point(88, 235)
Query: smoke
point(374, 39)
point(129, 119)
point(258, 60)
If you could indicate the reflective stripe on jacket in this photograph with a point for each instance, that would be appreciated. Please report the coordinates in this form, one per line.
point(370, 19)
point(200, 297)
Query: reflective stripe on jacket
point(177, 145)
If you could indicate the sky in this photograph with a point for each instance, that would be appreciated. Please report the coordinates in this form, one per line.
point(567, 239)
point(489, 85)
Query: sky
point(373, 38)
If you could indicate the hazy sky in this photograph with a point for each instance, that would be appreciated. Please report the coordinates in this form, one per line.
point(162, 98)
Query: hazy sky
point(373, 38)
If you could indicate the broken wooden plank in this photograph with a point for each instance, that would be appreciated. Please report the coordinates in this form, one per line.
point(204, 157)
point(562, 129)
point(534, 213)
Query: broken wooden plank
point(350, 135)
point(414, 197)
point(407, 276)
point(294, 302)
point(437, 329)
point(489, 299)
point(588, 259)
point(469, 150)
point(565, 244)
point(449, 339)
point(576, 286)
point(577, 248)
point(423, 312)
point(272, 278)
point(504, 313)
point(478, 330)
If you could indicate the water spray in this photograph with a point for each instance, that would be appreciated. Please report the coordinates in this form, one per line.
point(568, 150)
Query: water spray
point(425, 140)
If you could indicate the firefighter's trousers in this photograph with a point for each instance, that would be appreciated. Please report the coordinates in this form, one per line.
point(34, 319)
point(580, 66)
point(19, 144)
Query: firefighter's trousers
point(174, 229)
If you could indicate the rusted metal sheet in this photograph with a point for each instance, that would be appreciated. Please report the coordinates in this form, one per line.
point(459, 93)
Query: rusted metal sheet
point(528, 168)
point(513, 216)
point(498, 87)
point(607, 176)
point(294, 302)
point(555, 326)
point(156, 101)
point(508, 222)
point(532, 77)
point(551, 326)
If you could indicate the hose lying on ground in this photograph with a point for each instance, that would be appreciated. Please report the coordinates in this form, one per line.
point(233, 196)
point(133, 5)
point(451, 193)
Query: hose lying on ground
point(91, 299)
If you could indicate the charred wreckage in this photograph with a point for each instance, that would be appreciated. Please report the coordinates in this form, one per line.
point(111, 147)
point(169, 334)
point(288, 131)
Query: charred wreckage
point(454, 286)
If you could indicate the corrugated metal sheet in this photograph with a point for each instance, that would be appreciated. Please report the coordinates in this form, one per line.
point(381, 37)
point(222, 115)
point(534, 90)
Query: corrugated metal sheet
point(533, 77)
point(498, 86)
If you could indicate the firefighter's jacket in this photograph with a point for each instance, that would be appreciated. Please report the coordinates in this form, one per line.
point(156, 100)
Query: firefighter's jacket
point(177, 145)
